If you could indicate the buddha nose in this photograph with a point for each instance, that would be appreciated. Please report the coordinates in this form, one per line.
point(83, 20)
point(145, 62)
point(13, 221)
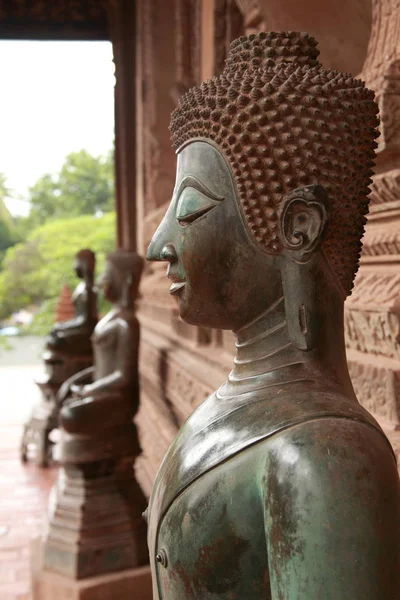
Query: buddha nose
point(159, 250)
point(168, 253)
point(161, 247)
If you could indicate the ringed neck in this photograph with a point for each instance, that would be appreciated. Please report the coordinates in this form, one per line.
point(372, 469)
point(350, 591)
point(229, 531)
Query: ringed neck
point(266, 356)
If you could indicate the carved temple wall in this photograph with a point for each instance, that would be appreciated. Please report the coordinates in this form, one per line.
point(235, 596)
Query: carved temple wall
point(373, 310)
point(183, 41)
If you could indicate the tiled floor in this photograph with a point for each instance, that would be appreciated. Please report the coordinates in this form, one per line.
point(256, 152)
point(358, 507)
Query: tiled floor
point(23, 489)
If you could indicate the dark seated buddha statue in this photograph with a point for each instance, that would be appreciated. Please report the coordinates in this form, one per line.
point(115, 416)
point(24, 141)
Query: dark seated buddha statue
point(99, 443)
point(279, 486)
point(73, 336)
point(68, 350)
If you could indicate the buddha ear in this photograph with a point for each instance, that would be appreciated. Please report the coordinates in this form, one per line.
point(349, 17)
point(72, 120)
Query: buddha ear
point(302, 218)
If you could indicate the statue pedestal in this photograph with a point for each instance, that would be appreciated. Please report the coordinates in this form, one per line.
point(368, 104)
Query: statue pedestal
point(35, 443)
point(130, 584)
point(96, 524)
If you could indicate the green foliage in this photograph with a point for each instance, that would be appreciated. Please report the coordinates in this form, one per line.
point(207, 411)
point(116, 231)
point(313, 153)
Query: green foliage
point(84, 185)
point(8, 231)
point(43, 319)
point(34, 270)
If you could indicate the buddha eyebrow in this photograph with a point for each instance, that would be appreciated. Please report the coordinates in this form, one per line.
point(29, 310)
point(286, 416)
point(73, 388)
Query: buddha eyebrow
point(191, 181)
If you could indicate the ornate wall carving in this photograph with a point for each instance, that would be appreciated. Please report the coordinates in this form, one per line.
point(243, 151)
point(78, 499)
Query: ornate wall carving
point(253, 16)
point(385, 191)
point(378, 386)
point(372, 316)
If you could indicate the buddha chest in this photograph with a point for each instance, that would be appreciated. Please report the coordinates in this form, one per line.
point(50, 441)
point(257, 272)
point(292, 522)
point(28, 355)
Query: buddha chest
point(212, 543)
point(238, 499)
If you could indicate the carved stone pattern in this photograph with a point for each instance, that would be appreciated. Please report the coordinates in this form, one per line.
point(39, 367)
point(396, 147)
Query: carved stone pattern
point(184, 387)
point(389, 107)
point(372, 314)
point(383, 47)
point(385, 188)
point(377, 389)
point(381, 68)
point(382, 239)
point(375, 290)
point(153, 366)
point(373, 332)
point(77, 11)
point(179, 388)
point(253, 17)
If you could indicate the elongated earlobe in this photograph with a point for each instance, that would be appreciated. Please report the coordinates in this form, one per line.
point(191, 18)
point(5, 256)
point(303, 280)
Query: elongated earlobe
point(302, 218)
point(300, 305)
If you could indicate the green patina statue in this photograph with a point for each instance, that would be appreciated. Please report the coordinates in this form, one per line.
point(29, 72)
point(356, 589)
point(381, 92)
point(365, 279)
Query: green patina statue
point(280, 486)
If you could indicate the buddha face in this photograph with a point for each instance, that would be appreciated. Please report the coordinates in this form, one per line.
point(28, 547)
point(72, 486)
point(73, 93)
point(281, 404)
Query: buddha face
point(79, 268)
point(218, 274)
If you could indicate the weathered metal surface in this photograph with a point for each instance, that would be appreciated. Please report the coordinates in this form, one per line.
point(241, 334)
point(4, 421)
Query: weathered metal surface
point(279, 486)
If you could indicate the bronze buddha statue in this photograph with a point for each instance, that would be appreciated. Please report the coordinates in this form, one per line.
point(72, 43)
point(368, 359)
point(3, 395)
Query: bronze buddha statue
point(279, 486)
point(113, 395)
point(68, 350)
point(73, 336)
point(99, 443)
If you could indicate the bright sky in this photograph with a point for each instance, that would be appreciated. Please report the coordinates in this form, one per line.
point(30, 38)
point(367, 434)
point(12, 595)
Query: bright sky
point(55, 98)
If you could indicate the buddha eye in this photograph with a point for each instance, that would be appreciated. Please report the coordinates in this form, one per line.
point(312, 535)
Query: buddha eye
point(192, 205)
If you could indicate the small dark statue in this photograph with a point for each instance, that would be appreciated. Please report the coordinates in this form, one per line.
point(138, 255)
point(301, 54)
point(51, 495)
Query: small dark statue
point(74, 336)
point(96, 523)
point(280, 486)
point(68, 350)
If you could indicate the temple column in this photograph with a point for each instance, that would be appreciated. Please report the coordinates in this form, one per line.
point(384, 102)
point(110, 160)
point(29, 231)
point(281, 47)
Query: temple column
point(122, 24)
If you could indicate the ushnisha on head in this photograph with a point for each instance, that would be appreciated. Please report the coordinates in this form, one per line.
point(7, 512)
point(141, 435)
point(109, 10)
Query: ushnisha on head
point(281, 122)
point(121, 277)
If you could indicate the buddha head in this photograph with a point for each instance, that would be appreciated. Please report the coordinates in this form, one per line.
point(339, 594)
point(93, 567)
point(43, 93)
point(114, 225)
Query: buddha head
point(84, 263)
point(274, 159)
point(120, 278)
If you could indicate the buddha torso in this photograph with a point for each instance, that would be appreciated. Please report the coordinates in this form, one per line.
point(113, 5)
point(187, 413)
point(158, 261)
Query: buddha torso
point(98, 416)
point(84, 301)
point(105, 341)
point(80, 298)
point(73, 336)
point(227, 493)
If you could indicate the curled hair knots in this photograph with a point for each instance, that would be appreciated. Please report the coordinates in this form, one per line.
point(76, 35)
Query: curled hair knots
point(283, 121)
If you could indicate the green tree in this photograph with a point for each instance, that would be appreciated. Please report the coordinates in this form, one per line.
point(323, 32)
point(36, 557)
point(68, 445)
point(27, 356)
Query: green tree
point(34, 270)
point(8, 232)
point(84, 185)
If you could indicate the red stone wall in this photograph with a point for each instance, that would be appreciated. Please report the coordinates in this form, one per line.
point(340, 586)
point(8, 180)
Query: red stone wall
point(181, 42)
